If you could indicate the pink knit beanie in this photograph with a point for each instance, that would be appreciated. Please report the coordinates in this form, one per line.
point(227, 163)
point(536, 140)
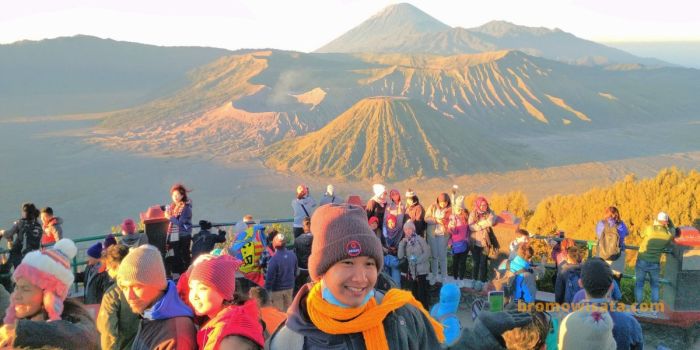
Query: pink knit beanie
point(218, 273)
point(49, 270)
point(341, 232)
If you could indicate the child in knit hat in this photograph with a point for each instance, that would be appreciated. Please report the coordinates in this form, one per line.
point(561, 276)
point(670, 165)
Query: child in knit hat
point(43, 279)
point(232, 325)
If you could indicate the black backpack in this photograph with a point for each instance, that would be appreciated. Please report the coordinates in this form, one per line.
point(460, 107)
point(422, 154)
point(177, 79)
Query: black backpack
point(609, 243)
point(28, 236)
point(572, 287)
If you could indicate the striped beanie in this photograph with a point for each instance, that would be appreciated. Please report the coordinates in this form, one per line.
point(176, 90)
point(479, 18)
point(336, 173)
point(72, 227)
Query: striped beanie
point(49, 270)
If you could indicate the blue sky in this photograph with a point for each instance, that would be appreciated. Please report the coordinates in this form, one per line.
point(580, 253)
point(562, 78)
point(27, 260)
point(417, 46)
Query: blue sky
point(305, 25)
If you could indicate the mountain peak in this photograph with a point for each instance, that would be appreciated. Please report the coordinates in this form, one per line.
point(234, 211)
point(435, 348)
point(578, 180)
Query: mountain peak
point(394, 23)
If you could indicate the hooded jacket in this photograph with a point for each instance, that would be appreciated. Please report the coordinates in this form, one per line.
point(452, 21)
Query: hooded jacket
point(167, 325)
point(75, 330)
point(116, 322)
point(565, 270)
point(418, 255)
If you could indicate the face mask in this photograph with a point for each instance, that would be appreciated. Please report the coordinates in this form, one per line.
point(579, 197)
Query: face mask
point(329, 297)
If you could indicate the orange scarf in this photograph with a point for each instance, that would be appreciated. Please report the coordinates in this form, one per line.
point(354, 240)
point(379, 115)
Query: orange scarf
point(367, 319)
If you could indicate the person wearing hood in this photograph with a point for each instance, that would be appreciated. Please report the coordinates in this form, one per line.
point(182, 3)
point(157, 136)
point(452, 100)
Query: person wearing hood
point(395, 206)
point(415, 212)
point(393, 232)
point(445, 311)
point(525, 286)
point(481, 219)
point(130, 237)
point(166, 322)
point(329, 196)
point(376, 206)
point(39, 315)
point(53, 231)
point(439, 214)
point(414, 248)
point(179, 212)
point(233, 322)
point(115, 320)
point(342, 309)
point(303, 206)
point(24, 235)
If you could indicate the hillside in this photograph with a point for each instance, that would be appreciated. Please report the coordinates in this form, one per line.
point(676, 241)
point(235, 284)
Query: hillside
point(84, 74)
point(235, 106)
point(402, 28)
point(392, 138)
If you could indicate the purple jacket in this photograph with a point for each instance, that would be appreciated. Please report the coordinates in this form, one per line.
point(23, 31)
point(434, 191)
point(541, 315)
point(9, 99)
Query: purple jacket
point(281, 271)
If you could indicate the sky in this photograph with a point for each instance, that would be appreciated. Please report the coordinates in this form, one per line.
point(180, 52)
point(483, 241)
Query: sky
point(305, 25)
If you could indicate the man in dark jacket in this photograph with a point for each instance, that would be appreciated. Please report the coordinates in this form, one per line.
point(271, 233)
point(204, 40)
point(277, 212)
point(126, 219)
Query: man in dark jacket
point(166, 322)
point(569, 273)
point(25, 234)
point(281, 274)
point(302, 248)
point(204, 241)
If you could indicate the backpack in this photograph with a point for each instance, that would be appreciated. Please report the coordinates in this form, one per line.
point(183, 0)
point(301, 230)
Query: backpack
point(609, 243)
point(28, 236)
point(572, 278)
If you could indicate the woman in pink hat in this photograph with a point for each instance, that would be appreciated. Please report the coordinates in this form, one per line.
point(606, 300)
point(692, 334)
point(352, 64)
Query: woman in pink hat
point(233, 321)
point(39, 315)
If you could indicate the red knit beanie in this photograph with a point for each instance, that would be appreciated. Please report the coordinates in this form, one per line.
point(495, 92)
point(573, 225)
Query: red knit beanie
point(341, 232)
point(218, 273)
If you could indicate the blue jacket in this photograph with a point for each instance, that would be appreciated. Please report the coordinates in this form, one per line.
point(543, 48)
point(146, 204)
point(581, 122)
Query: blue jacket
point(167, 323)
point(525, 286)
point(281, 271)
point(184, 220)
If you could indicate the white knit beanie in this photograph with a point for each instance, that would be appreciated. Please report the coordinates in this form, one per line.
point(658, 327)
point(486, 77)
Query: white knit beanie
point(586, 330)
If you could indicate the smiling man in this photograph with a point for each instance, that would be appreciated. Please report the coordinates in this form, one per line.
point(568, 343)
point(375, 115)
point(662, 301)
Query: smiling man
point(166, 322)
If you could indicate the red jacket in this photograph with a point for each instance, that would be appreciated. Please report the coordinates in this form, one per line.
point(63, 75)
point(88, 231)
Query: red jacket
point(236, 320)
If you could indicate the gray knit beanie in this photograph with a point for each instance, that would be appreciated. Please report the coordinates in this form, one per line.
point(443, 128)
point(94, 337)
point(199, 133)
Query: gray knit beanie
point(341, 232)
point(143, 265)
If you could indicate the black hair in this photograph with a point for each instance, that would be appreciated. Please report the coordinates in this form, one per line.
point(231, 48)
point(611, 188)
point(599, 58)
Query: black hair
point(29, 211)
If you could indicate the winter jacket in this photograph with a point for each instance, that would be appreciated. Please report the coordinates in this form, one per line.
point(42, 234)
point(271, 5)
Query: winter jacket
point(418, 256)
point(204, 241)
point(654, 240)
point(298, 205)
point(479, 227)
point(134, 240)
point(406, 328)
point(458, 229)
point(167, 325)
point(224, 324)
point(21, 244)
point(439, 217)
point(116, 322)
point(183, 221)
point(52, 231)
point(525, 282)
point(96, 283)
point(281, 271)
point(560, 287)
point(416, 213)
point(75, 330)
point(302, 247)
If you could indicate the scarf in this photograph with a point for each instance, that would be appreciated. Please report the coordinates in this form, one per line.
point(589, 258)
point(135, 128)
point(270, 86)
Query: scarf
point(175, 210)
point(366, 319)
point(413, 239)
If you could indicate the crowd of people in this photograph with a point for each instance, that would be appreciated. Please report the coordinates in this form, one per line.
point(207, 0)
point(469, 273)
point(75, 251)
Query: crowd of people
point(349, 276)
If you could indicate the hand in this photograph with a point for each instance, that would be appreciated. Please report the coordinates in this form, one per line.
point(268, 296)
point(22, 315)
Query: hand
point(7, 335)
point(500, 322)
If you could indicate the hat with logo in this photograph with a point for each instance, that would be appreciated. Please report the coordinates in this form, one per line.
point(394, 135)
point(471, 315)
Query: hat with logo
point(341, 232)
